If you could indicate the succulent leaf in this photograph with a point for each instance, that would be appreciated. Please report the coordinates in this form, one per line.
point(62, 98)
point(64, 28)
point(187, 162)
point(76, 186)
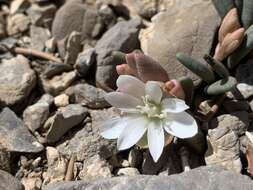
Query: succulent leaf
point(196, 67)
point(247, 13)
point(244, 49)
point(217, 66)
point(221, 86)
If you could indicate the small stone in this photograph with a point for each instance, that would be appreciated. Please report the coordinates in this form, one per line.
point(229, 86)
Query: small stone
point(87, 95)
point(52, 69)
point(73, 47)
point(125, 163)
point(85, 61)
point(39, 36)
point(236, 121)
point(61, 100)
point(95, 167)
point(135, 158)
point(58, 83)
point(123, 36)
point(35, 115)
point(245, 89)
point(235, 105)
point(57, 166)
point(17, 23)
point(7, 181)
point(17, 80)
point(128, 172)
point(205, 107)
point(14, 136)
point(42, 15)
point(63, 121)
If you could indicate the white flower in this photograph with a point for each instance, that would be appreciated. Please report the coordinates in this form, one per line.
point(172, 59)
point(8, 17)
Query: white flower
point(146, 112)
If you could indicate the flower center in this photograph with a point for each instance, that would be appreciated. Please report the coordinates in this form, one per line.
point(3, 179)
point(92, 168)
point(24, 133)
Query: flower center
point(151, 109)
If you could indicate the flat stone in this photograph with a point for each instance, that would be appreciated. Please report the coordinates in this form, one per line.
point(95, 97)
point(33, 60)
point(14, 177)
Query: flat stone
point(236, 121)
point(87, 141)
point(17, 23)
point(35, 115)
point(87, 95)
point(85, 61)
point(7, 181)
point(209, 178)
point(123, 36)
point(64, 119)
point(14, 136)
point(17, 80)
point(183, 28)
point(58, 83)
point(39, 36)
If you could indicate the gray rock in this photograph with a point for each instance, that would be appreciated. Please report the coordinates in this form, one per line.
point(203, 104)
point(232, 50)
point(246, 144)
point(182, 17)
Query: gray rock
point(128, 172)
point(58, 83)
point(14, 136)
point(95, 167)
point(78, 17)
point(183, 28)
point(8, 182)
point(85, 61)
point(122, 37)
point(2, 26)
point(236, 121)
point(209, 178)
point(5, 159)
point(64, 119)
point(42, 15)
point(17, 23)
point(39, 36)
point(107, 15)
point(87, 142)
point(35, 115)
point(235, 105)
point(53, 69)
point(224, 149)
point(17, 80)
point(73, 47)
point(87, 95)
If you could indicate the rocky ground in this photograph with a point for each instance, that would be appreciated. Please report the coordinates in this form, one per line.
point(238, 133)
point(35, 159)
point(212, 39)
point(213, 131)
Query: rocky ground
point(57, 63)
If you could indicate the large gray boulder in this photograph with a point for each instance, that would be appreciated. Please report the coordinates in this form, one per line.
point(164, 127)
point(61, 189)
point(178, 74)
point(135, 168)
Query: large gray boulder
point(8, 182)
point(183, 28)
point(208, 178)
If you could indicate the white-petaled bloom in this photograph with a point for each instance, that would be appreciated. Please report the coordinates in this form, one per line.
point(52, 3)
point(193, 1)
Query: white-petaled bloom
point(146, 112)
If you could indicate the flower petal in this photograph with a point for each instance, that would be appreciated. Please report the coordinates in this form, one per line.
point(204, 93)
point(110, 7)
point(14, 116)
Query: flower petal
point(132, 133)
point(122, 100)
point(173, 105)
point(183, 125)
point(154, 91)
point(131, 85)
point(155, 139)
point(112, 128)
